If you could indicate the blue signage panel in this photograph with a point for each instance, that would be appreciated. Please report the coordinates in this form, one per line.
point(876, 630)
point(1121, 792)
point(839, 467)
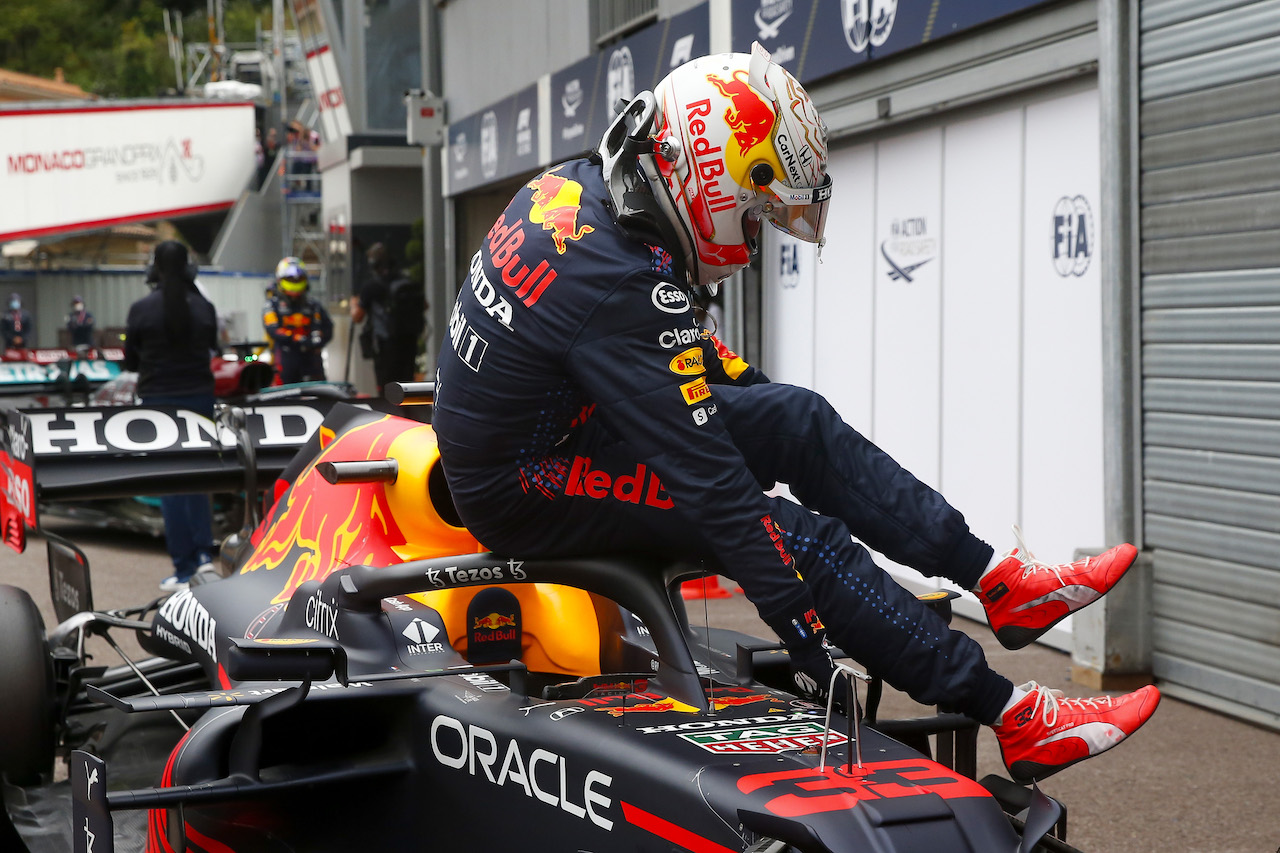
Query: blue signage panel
point(817, 38)
point(582, 112)
point(573, 104)
point(495, 143)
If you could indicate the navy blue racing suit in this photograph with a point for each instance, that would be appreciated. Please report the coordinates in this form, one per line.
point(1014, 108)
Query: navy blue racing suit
point(580, 409)
point(300, 328)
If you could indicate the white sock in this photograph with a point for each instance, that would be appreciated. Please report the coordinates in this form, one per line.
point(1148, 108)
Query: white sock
point(996, 559)
point(1014, 699)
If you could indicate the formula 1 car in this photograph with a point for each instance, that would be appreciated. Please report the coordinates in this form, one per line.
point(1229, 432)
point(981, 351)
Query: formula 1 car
point(366, 674)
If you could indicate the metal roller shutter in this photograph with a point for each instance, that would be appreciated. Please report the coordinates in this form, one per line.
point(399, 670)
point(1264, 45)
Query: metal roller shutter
point(1209, 122)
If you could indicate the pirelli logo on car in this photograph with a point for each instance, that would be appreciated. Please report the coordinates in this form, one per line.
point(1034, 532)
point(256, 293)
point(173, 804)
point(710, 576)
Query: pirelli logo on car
point(689, 363)
point(695, 391)
point(755, 740)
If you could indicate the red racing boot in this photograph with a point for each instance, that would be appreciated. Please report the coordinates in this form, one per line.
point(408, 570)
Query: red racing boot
point(1045, 733)
point(1024, 597)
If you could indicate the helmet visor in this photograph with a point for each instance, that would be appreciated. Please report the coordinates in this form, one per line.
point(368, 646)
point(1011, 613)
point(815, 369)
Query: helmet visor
point(802, 213)
point(293, 286)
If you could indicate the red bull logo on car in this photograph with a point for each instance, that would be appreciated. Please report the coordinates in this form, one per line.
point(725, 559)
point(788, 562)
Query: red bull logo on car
point(556, 202)
point(494, 621)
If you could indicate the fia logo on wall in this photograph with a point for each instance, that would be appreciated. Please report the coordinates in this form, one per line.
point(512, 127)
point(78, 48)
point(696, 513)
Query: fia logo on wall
point(867, 22)
point(908, 248)
point(1072, 236)
point(789, 264)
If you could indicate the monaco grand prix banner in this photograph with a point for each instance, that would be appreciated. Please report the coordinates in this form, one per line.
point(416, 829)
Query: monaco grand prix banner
point(91, 166)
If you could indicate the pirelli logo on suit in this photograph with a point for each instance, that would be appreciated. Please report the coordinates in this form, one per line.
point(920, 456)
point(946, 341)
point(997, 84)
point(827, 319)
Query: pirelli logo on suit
point(695, 391)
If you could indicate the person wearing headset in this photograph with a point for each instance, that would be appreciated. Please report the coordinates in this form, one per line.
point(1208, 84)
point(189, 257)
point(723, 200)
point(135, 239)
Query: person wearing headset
point(580, 409)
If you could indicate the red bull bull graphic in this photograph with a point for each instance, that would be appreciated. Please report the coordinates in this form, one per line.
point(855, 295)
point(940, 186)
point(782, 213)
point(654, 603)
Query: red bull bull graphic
point(750, 118)
point(556, 202)
point(495, 621)
point(720, 699)
point(649, 703)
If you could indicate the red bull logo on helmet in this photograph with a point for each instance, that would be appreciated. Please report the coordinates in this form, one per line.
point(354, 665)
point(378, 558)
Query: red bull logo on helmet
point(750, 118)
point(556, 202)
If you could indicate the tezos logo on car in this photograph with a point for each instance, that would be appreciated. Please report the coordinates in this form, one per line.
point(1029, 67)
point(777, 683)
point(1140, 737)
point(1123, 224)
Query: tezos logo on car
point(670, 298)
point(450, 575)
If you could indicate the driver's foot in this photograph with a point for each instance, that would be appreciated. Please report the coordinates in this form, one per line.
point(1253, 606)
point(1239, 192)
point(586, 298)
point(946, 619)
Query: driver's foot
point(1024, 597)
point(1044, 732)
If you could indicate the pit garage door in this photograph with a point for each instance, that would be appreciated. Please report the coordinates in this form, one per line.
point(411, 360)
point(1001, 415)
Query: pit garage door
point(1209, 124)
point(954, 317)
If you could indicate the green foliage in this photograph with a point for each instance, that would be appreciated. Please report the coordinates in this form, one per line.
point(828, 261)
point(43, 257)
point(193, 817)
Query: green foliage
point(112, 48)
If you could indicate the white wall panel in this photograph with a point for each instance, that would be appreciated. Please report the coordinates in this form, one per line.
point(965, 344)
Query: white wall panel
point(1062, 483)
point(981, 321)
point(789, 266)
point(908, 279)
point(844, 304)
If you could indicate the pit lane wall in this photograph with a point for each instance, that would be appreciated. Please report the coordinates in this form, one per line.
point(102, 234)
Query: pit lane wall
point(77, 166)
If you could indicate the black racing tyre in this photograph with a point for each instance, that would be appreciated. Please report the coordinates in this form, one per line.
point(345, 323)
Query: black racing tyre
point(26, 671)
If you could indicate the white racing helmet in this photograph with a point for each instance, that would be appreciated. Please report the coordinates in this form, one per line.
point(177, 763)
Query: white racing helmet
point(723, 142)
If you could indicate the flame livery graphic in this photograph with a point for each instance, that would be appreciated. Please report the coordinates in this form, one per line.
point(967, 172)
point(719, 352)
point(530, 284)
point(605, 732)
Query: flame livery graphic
point(556, 202)
point(359, 530)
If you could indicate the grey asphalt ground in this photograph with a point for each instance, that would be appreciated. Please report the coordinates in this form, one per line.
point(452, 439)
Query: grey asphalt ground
point(1191, 781)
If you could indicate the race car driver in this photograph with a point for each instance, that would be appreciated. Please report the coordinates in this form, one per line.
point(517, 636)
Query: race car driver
point(580, 409)
point(298, 325)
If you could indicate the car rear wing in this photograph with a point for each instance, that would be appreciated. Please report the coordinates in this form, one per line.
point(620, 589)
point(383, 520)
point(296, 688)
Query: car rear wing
point(123, 451)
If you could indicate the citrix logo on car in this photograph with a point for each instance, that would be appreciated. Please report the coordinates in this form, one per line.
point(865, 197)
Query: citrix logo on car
point(458, 746)
point(187, 616)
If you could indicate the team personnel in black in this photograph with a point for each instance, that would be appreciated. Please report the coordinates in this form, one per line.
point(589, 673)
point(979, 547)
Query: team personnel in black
point(579, 409)
point(298, 325)
point(170, 338)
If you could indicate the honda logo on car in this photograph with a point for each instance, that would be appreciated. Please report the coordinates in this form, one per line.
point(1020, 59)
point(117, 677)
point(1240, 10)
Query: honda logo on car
point(187, 616)
point(460, 746)
point(134, 430)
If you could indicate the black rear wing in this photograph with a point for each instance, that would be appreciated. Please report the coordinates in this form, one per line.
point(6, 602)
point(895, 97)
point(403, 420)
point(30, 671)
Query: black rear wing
point(123, 451)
